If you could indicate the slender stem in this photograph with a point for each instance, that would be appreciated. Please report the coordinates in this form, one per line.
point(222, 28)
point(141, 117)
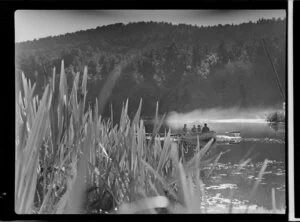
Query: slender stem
point(276, 74)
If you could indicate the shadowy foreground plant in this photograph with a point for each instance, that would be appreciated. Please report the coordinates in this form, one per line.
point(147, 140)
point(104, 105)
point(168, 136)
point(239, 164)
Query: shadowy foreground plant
point(71, 161)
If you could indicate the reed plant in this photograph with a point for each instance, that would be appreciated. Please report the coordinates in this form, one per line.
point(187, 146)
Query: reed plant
point(69, 160)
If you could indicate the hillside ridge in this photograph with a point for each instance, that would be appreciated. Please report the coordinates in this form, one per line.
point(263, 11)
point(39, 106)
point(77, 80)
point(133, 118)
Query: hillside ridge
point(184, 67)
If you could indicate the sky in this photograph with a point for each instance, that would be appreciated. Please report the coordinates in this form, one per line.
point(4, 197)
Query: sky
point(35, 24)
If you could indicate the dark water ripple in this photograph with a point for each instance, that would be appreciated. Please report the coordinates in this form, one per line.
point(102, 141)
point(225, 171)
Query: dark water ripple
point(258, 142)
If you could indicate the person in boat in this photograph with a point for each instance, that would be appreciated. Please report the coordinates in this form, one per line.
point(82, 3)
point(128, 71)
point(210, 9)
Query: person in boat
point(194, 129)
point(205, 129)
point(184, 129)
point(198, 129)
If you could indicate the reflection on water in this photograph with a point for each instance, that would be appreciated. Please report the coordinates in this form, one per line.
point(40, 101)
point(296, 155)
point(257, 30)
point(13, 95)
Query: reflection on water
point(228, 180)
point(248, 130)
point(260, 141)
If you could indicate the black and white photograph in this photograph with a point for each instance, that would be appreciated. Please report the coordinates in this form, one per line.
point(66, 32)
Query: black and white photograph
point(151, 111)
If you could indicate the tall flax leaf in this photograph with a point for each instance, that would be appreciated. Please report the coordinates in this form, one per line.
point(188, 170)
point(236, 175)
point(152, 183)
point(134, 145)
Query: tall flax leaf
point(62, 205)
point(21, 137)
point(27, 151)
point(75, 197)
point(75, 105)
point(35, 103)
point(84, 84)
point(63, 87)
point(53, 79)
point(63, 93)
point(28, 174)
point(132, 151)
point(53, 120)
point(194, 202)
point(160, 178)
point(165, 151)
point(92, 156)
point(200, 153)
point(73, 95)
point(156, 126)
point(184, 189)
point(61, 117)
point(174, 155)
point(123, 118)
point(111, 113)
point(96, 114)
point(28, 91)
point(141, 138)
point(25, 88)
point(30, 102)
point(138, 113)
point(156, 118)
point(17, 84)
point(53, 114)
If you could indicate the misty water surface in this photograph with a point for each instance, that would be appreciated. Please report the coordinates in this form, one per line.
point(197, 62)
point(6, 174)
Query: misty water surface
point(260, 141)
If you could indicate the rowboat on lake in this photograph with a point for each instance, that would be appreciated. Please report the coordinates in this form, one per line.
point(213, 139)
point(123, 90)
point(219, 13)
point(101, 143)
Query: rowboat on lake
point(203, 137)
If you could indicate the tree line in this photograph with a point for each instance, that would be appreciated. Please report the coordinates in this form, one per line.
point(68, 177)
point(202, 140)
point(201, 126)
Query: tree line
point(184, 67)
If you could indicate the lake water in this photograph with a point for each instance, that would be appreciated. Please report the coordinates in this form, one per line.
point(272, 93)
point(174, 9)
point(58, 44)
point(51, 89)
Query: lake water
point(259, 141)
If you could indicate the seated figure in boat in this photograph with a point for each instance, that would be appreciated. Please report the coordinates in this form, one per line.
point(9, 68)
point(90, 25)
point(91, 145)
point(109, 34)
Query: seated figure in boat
point(198, 129)
point(205, 129)
point(194, 130)
point(184, 129)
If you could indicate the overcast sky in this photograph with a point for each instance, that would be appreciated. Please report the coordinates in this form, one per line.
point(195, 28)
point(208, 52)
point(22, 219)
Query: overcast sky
point(31, 24)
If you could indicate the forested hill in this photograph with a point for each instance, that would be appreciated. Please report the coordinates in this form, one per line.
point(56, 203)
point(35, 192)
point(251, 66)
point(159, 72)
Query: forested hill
point(182, 66)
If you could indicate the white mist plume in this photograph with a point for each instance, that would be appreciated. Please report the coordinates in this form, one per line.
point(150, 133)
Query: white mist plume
point(234, 114)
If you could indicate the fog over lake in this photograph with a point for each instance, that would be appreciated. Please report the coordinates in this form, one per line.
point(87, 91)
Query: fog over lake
point(219, 115)
point(259, 141)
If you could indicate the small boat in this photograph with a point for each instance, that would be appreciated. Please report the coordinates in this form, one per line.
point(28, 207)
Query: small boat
point(203, 137)
point(189, 141)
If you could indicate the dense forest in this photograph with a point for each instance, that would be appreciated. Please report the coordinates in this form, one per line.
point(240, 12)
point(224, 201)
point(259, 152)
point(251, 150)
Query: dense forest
point(184, 67)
